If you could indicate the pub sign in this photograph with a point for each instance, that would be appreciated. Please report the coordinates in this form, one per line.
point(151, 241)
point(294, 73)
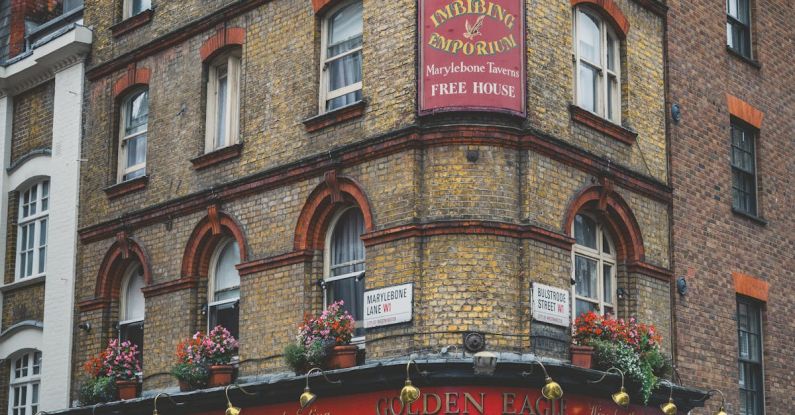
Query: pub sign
point(472, 56)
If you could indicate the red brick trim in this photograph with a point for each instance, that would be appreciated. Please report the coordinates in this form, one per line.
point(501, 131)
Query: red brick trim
point(278, 261)
point(611, 11)
point(170, 287)
point(206, 236)
point(125, 188)
point(337, 116)
point(320, 6)
point(128, 25)
point(615, 213)
point(222, 38)
point(469, 227)
point(121, 254)
point(217, 156)
point(133, 77)
point(383, 146)
point(751, 286)
point(744, 111)
point(602, 125)
point(93, 304)
point(649, 270)
point(327, 197)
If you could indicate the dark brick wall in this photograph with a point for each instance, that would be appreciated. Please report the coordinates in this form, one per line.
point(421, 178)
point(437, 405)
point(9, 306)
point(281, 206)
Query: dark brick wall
point(710, 241)
point(26, 303)
point(32, 123)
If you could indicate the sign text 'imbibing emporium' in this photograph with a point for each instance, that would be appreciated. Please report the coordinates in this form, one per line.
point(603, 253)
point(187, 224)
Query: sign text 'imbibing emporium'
point(472, 56)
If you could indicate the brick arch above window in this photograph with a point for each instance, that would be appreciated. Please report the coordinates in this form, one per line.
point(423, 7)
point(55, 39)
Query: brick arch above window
point(124, 252)
point(609, 10)
point(223, 37)
point(208, 233)
point(614, 213)
point(333, 193)
point(134, 77)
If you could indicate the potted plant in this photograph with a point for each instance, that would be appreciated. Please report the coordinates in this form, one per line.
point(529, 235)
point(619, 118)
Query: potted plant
point(98, 388)
point(191, 371)
point(630, 346)
point(216, 349)
point(121, 363)
point(324, 341)
point(583, 332)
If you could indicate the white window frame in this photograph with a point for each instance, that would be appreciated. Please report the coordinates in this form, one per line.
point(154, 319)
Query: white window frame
point(232, 108)
point(123, 168)
point(327, 278)
point(38, 221)
point(29, 381)
point(325, 95)
point(602, 258)
point(211, 281)
point(128, 9)
point(602, 80)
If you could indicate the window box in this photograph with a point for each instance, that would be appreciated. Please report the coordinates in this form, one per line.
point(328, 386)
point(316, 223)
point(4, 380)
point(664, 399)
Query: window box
point(125, 188)
point(218, 156)
point(132, 23)
point(602, 125)
point(337, 116)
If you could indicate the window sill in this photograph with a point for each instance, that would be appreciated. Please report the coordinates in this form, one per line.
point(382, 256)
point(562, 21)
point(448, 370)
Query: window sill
point(131, 23)
point(753, 218)
point(217, 156)
point(602, 125)
point(753, 62)
point(125, 188)
point(22, 283)
point(336, 116)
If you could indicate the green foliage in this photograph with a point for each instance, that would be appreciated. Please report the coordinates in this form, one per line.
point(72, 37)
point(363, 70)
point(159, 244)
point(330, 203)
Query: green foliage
point(295, 357)
point(195, 374)
point(637, 368)
point(300, 358)
point(97, 390)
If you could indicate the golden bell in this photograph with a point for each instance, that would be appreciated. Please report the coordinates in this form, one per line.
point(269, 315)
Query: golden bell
point(232, 410)
point(552, 390)
point(668, 408)
point(721, 412)
point(307, 398)
point(621, 398)
point(409, 393)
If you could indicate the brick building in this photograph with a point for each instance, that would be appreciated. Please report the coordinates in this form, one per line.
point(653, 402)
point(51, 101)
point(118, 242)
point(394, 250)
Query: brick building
point(248, 162)
point(42, 48)
point(733, 205)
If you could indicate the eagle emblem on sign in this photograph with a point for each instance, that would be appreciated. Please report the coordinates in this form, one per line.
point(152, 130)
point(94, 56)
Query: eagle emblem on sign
point(473, 30)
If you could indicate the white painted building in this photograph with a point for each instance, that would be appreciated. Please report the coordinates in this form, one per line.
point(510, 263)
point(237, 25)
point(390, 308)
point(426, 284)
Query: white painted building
point(38, 208)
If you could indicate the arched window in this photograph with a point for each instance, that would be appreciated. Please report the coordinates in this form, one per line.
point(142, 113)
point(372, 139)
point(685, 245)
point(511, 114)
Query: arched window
point(597, 65)
point(34, 204)
point(344, 264)
point(131, 308)
point(23, 398)
point(224, 288)
point(223, 100)
point(594, 268)
point(132, 136)
point(341, 57)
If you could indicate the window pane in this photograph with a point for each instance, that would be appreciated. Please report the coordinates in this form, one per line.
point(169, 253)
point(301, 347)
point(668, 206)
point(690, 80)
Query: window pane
point(347, 248)
point(585, 231)
point(137, 113)
point(36, 363)
point(351, 292)
point(607, 275)
point(345, 71)
point(136, 150)
point(612, 90)
point(134, 307)
point(45, 195)
point(586, 87)
point(585, 277)
point(227, 315)
point(588, 38)
point(42, 244)
point(605, 244)
point(140, 5)
point(586, 306)
point(34, 397)
point(611, 52)
point(226, 275)
point(344, 100)
point(345, 25)
point(134, 333)
point(220, 131)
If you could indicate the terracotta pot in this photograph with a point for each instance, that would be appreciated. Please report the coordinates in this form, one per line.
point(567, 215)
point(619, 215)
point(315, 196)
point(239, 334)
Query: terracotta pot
point(581, 356)
point(340, 357)
point(128, 389)
point(220, 375)
point(184, 386)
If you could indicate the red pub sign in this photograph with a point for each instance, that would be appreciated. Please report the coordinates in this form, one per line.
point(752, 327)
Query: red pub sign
point(469, 400)
point(472, 56)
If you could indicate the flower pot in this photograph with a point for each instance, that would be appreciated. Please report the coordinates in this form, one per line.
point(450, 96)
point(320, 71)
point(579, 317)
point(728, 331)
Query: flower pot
point(128, 389)
point(220, 375)
point(581, 356)
point(340, 357)
point(184, 386)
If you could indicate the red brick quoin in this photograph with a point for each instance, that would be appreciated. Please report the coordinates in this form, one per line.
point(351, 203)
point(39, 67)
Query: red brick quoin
point(124, 252)
point(222, 38)
point(611, 11)
point(209, 232)
point(333, 193)
point(133, 77)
